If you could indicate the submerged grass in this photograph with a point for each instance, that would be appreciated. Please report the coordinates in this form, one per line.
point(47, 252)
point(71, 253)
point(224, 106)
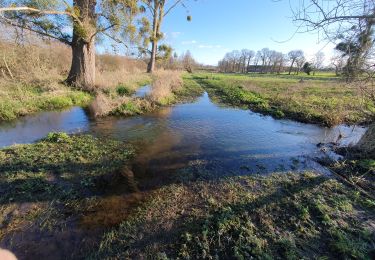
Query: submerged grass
point(69, 185)
point(48, 189)
point(289, 216)
point(321, 100)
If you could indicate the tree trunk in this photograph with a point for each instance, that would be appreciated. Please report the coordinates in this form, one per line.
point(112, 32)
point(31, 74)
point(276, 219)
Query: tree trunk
point(291, 66)
point(248, 64)
point(156, 23)
point(151, 64)
point(82, 71)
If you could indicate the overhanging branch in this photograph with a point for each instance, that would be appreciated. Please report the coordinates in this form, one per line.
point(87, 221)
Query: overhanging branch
point(38, 11)
point(10, 22)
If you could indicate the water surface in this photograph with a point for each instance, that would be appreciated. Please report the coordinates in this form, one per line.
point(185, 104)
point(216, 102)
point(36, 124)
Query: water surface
point(143, 91)
point(219, 137)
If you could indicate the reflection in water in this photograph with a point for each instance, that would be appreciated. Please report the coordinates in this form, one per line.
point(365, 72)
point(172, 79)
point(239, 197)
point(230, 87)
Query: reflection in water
point(143, 91)
point(31, 128)
point(201, 134)
point(226, 138)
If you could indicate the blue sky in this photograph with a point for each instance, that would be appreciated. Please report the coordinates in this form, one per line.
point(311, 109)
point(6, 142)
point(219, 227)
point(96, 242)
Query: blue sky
point(219, 26)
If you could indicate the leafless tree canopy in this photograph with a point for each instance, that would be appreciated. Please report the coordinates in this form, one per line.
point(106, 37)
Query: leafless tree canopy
point(332, 16)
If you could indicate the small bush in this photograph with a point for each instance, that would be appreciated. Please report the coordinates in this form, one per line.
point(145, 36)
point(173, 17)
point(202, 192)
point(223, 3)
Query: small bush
point(57, 103)
point(122, 90)
point(59, 137)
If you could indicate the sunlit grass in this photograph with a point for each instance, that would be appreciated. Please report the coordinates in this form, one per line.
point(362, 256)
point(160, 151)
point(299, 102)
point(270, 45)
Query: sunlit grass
point(322, 100)
point(17, 99)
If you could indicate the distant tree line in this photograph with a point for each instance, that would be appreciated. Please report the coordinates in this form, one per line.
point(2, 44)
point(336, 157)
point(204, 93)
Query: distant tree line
point(184, 61)
point(269, 61)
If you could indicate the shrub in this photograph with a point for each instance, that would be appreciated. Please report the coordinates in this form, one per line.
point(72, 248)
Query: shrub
point(59, 137)
point(123, 90)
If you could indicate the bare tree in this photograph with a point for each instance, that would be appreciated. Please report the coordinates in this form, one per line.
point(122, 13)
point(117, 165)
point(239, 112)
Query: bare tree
point(300, 61)
point(338, 62)
point(264, 57)
point(350, 22)
point(250, 56)
point(188, 61)
point(293, 56)
point(319, 60)
point(334, 16)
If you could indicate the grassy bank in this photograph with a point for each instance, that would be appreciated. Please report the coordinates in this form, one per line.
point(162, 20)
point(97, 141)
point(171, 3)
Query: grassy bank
point(168, 87)
point(60, 189)
point(32, 72)
point(290, 216)
point(321, 100)
point(18, 99)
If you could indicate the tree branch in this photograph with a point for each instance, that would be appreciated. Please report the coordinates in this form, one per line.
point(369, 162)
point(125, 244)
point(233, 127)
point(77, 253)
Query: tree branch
point(102, 30)
point(38, 11)
point(10, 22)
point(115, 39)
point(173, 6)
point(150, 8)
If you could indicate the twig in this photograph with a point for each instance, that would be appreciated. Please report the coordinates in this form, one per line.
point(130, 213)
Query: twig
point(7, 67)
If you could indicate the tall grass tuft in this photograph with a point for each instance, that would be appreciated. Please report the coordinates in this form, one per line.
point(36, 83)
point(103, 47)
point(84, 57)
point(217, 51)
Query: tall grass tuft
point(166, 82)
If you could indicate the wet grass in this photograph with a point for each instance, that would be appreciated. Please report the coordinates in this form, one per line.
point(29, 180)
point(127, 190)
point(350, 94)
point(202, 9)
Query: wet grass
point(60, 195)
point(316, 99)
point(17, 99)
point(48, 188)
point(289, 216)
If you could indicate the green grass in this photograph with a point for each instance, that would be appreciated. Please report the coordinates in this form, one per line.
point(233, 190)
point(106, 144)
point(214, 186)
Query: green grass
point(195, 215)
point(289, 216)
point(133, 107)
point(53, 180)
point(18, 100)
point(123, 90)
point(69, 159)
point(320, 99)
point(190, 90)
point(129, 87)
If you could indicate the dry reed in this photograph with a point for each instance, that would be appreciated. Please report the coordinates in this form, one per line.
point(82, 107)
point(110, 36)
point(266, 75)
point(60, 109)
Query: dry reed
point(165, 83)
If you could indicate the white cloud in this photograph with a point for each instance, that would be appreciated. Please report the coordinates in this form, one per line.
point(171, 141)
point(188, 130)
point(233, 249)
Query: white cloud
point(175, 35)
point(203, 46)
point(189, 42)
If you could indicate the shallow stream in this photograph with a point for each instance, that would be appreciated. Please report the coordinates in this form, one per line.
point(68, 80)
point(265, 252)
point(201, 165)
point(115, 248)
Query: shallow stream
point(219, 137)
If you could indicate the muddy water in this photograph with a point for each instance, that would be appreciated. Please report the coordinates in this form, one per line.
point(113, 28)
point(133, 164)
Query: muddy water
point(221, 138)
